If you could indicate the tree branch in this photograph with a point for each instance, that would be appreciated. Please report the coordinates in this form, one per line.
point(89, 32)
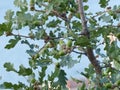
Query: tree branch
point(85, 30)
point(83, 18)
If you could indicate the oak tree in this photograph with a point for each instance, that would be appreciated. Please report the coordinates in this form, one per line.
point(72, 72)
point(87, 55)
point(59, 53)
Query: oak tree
point(63, 28)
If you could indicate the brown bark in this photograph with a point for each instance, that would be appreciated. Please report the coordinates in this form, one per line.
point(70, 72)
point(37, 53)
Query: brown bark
point(85, 32)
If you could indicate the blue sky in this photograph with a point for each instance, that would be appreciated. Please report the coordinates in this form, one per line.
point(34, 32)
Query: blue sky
point(18, 56)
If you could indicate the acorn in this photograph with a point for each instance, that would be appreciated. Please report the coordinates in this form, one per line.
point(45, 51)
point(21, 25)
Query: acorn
point(118, 82)
point(61, 42)
point(32, 3)
point(108, 85)
point(36, 23)
point(61, 53)
point(57, 65)
point(69, 43)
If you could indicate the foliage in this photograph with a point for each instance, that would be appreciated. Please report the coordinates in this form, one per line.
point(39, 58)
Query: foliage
point(58, 24)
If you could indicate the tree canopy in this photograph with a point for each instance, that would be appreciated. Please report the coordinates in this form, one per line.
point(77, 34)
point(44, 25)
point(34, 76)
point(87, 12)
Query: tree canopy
point(64, 28)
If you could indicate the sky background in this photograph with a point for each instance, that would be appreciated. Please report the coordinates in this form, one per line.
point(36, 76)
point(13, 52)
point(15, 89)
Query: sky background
point(18, 56)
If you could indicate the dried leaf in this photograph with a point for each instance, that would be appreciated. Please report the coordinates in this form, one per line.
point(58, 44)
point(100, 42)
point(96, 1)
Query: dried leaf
point(112, 37)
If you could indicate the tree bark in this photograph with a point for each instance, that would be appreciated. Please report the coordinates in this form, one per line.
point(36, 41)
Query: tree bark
point(85, 32)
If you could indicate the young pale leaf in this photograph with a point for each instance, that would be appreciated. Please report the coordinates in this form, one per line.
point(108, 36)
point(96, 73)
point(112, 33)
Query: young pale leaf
point(17, 3)
point(22, 4)
point(9, 15)
point(23, 19)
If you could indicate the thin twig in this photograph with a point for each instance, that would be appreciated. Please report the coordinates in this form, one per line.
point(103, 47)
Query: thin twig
point(12, 34)
point(21, 35)
point(79, 52)
point(42, 47)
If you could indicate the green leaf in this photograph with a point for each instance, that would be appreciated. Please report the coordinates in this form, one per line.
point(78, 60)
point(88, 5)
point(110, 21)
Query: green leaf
point(8, 84)
point(83, 87)
point(99, 53)
point(105, 18)
point(2, 28)
point(76, 80)
point(76, 25)
point(5, 27)
point(104, 80)
point(9, 67)
point(49, 8)
point(42, 74)
point(12, 43)
point(31, 52)
point(54, 75)
point(82, 41)
point(32, 63)
point(40, 34)
point(103, 3)
point(62, 78)
point(24, 19)
point(18, 86)
point(21, 84)
point(117, 63)
point(24, 71)
point(9, 15)
point(88, 71)
point(53, 23)
point(85, 74)
point(2, 86)
point(44, 62)
point(85, 0)
point(86, 7)
point(68, 61)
